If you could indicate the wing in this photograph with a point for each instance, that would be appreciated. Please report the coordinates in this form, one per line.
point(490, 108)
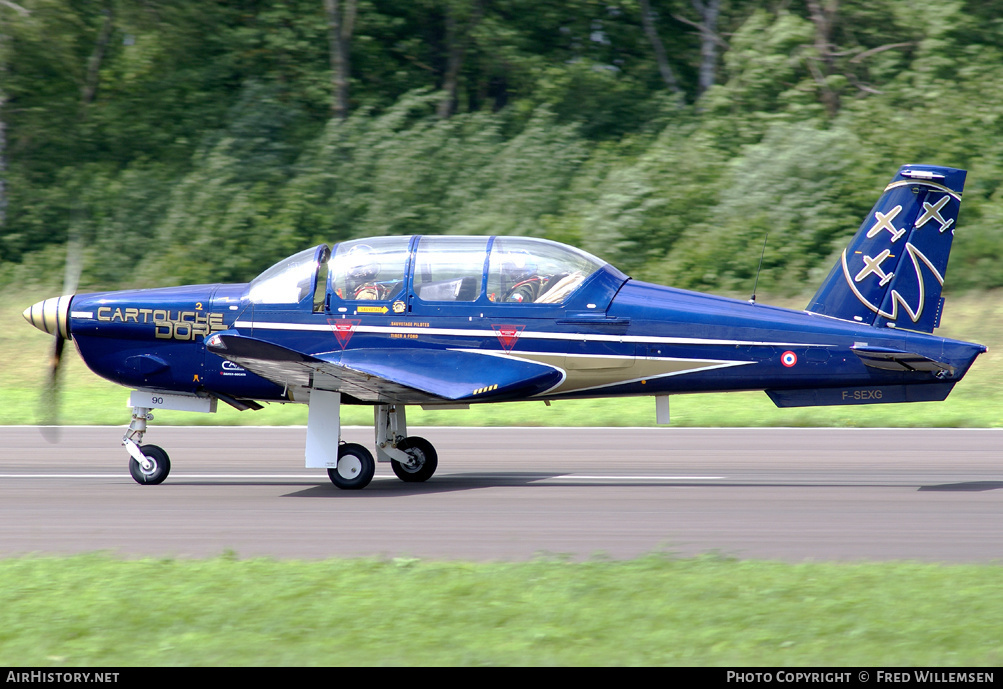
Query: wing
point(391, 375)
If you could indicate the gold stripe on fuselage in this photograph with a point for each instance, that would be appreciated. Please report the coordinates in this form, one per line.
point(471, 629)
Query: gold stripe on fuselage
point(587, 372)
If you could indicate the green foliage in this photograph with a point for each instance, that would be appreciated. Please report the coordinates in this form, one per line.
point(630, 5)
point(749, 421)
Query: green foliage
point(765, 65)
point(218, 224)
point(632, 207)
point(797, 187)
point(193, 141)
point(402, 172)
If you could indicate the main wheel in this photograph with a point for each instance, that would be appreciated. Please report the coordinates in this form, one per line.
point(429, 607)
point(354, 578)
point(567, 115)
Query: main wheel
point(156, 473)
point(423, 461)
point(355, 467)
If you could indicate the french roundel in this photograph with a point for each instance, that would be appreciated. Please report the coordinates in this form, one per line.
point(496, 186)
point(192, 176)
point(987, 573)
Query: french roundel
point(788, 358)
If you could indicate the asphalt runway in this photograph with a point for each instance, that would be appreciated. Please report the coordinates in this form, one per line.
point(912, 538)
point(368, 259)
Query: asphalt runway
point(517, 493)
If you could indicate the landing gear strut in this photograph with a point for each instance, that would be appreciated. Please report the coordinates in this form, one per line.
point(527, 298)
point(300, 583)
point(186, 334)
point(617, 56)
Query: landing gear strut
point(413, 459)
point(148, 464)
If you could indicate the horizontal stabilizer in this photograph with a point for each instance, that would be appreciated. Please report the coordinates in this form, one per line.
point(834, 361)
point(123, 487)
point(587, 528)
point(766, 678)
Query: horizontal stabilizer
point(893, 270)
point(874, 394)
point(896, 360)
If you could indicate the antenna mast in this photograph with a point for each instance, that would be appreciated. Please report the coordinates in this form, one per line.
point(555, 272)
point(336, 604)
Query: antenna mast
point(752, 300)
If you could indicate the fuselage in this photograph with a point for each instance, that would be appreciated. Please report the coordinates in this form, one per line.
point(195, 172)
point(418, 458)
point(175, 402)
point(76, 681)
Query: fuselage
point(617, 337)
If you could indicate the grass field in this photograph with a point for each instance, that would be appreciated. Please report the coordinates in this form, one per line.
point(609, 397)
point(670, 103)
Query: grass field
point(96, 611)
point(976, 402)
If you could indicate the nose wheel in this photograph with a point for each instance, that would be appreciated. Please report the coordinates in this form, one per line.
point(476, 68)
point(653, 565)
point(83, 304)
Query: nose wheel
point(154, 469)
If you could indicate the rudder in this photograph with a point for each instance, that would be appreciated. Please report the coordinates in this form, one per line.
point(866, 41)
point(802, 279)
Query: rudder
point(893, 270)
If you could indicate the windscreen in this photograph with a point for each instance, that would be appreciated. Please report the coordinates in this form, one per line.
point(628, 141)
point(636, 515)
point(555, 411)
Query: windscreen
point(288, 281)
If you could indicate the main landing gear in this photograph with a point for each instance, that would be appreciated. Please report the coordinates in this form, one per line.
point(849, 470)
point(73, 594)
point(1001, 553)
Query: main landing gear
point(412, 459)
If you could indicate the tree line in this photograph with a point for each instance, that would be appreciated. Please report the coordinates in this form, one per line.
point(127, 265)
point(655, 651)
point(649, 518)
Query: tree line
point(170, 141)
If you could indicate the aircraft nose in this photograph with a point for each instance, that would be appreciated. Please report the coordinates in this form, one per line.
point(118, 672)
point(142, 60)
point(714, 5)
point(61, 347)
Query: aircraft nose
point(50, 315)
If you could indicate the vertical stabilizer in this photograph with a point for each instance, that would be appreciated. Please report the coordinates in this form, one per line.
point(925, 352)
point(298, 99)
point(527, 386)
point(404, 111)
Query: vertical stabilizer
point(893, 270)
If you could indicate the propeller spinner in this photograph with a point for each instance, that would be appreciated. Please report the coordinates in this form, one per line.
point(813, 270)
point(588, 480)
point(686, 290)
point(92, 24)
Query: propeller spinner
point(51, 316)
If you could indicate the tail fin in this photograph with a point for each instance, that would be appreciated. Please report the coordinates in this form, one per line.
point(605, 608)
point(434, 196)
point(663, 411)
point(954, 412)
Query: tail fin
point(893, 270)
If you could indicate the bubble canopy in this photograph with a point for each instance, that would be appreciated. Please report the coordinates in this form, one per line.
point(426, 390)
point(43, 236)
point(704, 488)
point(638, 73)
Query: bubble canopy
point(457, 269)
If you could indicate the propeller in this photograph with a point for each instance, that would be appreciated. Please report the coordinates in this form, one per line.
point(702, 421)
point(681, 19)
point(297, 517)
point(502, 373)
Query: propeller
point(53, 317)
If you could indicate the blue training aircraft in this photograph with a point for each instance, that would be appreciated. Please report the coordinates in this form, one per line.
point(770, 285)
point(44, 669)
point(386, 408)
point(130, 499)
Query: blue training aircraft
point(447, 321)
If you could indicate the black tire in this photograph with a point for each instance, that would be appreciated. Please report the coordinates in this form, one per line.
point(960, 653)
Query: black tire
point(355, 469)
point(424, 460)
point(157, 474)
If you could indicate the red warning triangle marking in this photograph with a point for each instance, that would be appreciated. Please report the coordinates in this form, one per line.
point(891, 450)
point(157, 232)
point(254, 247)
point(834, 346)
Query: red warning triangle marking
point(343, 329)
point(507, 335)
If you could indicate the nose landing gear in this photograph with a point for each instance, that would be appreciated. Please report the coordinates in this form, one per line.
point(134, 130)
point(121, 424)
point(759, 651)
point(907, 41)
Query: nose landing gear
point(148, 464)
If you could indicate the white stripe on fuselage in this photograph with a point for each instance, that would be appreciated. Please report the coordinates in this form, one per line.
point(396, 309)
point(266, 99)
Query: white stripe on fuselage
point(477, 332)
